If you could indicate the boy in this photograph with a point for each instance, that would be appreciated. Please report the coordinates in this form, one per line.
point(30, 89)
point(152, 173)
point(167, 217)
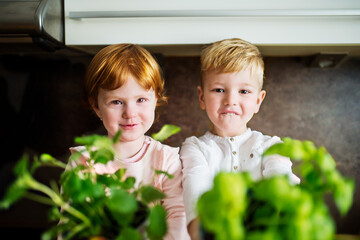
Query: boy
point(231, 93)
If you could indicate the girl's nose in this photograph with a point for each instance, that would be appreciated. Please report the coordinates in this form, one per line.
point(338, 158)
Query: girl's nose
point(129, 112)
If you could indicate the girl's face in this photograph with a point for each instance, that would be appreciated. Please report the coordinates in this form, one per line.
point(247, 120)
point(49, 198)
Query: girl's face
point(130, 108)
point(230, 100)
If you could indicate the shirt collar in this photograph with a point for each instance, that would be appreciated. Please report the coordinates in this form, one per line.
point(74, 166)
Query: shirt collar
point(236, 139)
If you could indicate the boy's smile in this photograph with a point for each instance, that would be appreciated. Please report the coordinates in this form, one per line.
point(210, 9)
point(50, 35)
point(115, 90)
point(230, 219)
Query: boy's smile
point(230, 100)
point(229, 113)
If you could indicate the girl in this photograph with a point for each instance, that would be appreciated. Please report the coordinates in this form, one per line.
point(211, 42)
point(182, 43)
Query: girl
point(123, 85)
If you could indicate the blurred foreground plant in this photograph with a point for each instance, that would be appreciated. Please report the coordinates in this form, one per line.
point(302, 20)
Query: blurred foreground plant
point(238, 207)
point(90, 204)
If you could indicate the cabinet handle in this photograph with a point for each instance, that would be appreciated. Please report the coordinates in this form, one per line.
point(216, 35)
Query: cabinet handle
point(215, 13)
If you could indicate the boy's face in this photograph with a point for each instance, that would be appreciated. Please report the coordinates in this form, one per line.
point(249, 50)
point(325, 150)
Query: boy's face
point(230, 100)
point(130, 108)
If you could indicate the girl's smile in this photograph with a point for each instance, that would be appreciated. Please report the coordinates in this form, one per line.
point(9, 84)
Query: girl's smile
point(128, 126)
point(129, 108)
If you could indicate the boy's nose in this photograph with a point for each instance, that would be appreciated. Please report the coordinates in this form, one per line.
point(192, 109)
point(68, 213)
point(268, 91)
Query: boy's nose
point(230, 99)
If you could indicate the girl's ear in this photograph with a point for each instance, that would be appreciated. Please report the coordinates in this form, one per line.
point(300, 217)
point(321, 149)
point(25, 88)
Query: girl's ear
point(260, 99)
point(201, 97)
point(96, 109)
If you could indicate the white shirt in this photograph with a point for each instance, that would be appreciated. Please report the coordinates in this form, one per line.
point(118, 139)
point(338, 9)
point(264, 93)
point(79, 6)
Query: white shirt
point(204, 157)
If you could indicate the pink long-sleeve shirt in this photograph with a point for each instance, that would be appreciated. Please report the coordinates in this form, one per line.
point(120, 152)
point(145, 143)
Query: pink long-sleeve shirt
point(155, 155)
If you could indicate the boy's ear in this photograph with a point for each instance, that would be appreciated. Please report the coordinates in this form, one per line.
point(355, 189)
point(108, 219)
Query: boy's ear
point(201, 97)
point(260, 99)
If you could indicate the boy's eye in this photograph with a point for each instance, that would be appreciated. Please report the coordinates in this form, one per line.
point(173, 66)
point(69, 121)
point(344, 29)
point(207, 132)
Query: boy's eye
point(244, 91)
point(219, 90)
point(116, 102)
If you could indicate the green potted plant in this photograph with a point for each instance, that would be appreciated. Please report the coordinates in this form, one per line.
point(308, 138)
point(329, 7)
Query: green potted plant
point(238, 207)
point(86, 205)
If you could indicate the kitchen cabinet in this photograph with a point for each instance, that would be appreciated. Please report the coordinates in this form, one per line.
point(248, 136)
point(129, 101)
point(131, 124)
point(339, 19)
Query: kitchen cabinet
point(321, 25)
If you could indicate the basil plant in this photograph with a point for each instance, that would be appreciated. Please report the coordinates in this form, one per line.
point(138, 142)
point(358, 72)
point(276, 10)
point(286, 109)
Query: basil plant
point(237, 207)
point(85, 205)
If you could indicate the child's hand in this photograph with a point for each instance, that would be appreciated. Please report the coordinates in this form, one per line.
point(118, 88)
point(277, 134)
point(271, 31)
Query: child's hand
point(193, 229)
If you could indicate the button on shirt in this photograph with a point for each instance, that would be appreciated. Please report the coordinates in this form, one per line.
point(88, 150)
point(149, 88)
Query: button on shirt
point(204, 157)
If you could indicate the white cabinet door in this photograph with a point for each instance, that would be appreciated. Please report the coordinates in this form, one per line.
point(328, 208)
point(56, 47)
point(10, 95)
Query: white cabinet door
point(197, 22)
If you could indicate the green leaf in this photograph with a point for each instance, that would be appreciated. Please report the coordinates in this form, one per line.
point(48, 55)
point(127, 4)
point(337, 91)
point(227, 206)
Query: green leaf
point(86, 140)
point(129, 183)
point(81, 189)
point(157, 223)
point(103, 143)
point(96, 142)
point(325, 160)
point(14, 192)
point(294, 149)
point(102, 155)
point(129, 234)
point(269, 234)
point(51, 161)
point(120, 173)
point(47, 158)
point(277, 187)
point(122, 202)
point(117, 137)
point(35, 165)
point(232, 189)
point(343, 195)
point(321, 224)
point(150, 194)
point(19, 187)
point(22, 167)
point(158, 172)
point(57, 230)
point(165, 132)
point(122, 206)
point(49, 234)
point(54, 214)
point(222, 208)
point(208, 208)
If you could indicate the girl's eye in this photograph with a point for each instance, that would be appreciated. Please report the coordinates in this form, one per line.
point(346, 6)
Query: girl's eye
point(116, 102)
point(244, 91)
point(141, 100)
point(219, 90)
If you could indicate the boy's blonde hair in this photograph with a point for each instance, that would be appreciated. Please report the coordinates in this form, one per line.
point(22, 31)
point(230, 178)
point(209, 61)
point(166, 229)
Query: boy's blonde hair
point(111, 67)
point(232, 55)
